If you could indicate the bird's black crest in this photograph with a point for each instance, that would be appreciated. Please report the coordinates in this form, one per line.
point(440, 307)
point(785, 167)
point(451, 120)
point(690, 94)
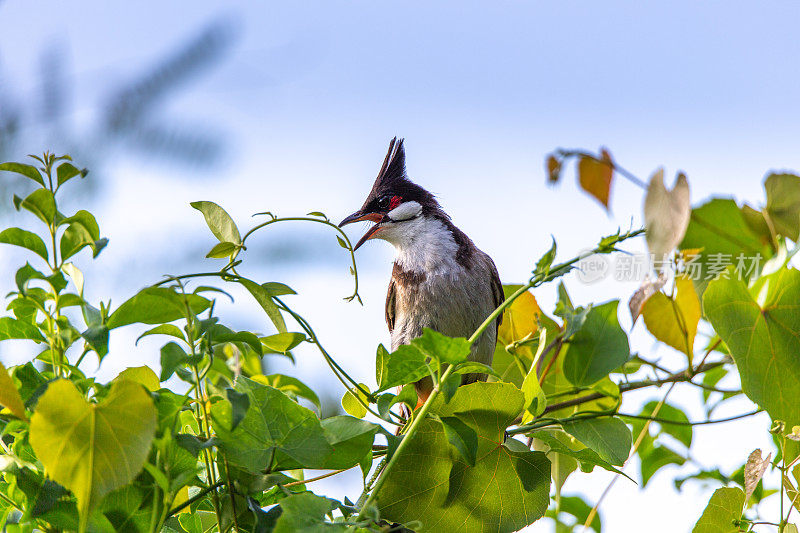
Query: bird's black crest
point(392, 179)
point(393, 170)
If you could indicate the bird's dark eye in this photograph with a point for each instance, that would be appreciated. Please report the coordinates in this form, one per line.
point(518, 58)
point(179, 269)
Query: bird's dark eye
point(383, 203)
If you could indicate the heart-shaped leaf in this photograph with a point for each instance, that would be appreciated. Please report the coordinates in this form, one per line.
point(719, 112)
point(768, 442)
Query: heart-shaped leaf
point(92, 449)
point(666, 215)
point(762, 338)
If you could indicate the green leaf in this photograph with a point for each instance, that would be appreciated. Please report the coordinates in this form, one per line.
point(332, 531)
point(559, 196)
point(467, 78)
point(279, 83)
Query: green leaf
point(405, 365)
point(26, 170)
point(283, 342)
point(163, 329)
point(155, 305)
point(9, 395)
point(350, 438)
point(41, 203)
point(290, 385)
point(609, 437)
point(599, 347)
point(264, 299)
point(275, 433)
point(97, 337)
point(719, 229)
point(723, 512)
point(240, 402)
point(82, 230)
point(17, 329)
point(275, 288)
point(506, 490)
point(414, 361)
point(219, 222)
point(462, 437)
point(342, 243)
point(92, 449)
point(654, 458)
point(222, 250)
point(142, 375)
point(783, 203)
point(26, 274)
point(535, 399)
point(575, 506)
point(67, 171)
point(681, 431)
point(306, 512)
point(352, 405)
point(172, 357)
point(762, 338)
point(587, 458)
point(442, 348)
point(544, 262)
point(25, 239)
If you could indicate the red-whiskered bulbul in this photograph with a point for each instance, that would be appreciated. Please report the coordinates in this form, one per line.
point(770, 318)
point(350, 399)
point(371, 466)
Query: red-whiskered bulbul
point(440, 279)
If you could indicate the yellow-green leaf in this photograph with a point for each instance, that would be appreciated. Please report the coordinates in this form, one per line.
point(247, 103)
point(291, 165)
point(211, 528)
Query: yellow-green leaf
point(674, 321)
point(352, 405)
point(92, 449)
point(9, 395)
point(143, 375)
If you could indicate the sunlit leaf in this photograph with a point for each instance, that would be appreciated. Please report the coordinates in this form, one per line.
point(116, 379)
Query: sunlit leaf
point(219, 222)
point(762, 338)
point(354, 402)
point(222, 250)
point(92, 449)
point(783, 203)
point(17, 329)
point(9, 395)
point(674, 321)
point(264, 299)
point(723, 511)
point(143, 375)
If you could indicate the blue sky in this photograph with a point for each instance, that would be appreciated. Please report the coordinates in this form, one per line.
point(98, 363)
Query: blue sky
point(309, 94)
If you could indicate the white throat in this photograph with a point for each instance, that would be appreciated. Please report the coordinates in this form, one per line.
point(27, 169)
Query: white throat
point(423, 244)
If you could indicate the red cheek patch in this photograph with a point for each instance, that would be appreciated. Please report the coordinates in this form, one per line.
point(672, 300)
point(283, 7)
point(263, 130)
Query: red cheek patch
point(394, 202)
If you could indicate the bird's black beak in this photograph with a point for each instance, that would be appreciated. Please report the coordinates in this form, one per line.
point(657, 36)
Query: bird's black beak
point(359, 216)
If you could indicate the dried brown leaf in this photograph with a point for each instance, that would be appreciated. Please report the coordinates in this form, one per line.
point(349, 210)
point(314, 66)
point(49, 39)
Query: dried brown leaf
point(642, 294)
point(666, 215)
point(754, 470)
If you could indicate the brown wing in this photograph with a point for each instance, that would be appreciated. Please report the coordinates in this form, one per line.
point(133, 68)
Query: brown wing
point(390, 305)
point(497, 293)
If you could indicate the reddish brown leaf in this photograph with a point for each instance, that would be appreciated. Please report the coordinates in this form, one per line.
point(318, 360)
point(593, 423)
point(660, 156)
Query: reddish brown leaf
point(595, 176)
point(553, 169)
